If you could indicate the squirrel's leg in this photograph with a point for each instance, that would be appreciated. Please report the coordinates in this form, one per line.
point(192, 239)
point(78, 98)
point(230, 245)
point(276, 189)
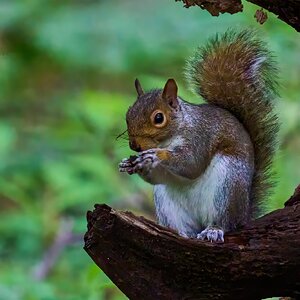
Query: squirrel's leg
point(231, 201)
point(164, 166)
point(170, 213)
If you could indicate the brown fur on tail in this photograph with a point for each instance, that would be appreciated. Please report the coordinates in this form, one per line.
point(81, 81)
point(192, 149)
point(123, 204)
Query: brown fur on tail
point(235, 71)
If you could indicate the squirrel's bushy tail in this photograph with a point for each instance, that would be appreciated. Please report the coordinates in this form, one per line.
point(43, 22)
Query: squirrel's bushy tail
point(235, 71)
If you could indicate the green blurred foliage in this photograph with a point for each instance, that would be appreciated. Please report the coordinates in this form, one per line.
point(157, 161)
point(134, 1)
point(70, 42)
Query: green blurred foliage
point(67, 71)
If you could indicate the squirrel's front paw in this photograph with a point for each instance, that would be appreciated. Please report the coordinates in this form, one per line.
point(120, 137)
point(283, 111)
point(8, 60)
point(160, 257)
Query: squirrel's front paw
point(143, 162)
point(126, 165)
point(212, 233)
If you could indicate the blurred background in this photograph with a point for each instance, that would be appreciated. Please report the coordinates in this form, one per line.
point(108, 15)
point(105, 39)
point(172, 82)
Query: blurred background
point(66, 80)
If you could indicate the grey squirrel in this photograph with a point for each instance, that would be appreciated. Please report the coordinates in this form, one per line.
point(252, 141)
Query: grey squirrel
point(209, 163)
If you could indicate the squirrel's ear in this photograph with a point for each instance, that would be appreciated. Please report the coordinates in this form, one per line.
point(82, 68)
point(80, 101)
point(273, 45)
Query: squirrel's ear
point(170, 93)
point(138, 87)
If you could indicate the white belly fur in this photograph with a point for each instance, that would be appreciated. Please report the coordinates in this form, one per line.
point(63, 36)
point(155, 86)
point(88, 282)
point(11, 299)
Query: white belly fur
point(187, 206)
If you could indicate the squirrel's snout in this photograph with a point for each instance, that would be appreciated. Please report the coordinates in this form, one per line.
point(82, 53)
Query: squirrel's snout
point(135, 146)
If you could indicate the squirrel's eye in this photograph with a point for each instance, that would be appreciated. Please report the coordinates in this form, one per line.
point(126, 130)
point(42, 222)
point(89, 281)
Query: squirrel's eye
point(159, 118)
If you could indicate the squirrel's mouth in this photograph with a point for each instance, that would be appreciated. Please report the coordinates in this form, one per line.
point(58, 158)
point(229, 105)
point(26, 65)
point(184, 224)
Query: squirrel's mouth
point(138, 143)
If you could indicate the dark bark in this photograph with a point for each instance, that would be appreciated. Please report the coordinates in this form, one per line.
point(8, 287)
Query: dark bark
point(286, 10)
point(147, 261)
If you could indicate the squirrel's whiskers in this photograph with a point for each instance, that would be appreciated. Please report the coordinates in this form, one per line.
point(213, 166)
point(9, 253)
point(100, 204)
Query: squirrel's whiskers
point(123, 135)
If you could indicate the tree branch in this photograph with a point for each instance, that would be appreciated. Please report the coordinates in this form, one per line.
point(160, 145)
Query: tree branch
point(286, 10)
point(148, 261)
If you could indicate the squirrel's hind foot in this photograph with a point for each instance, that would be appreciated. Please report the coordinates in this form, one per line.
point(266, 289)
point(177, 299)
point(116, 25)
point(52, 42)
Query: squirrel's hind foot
point(212, 233)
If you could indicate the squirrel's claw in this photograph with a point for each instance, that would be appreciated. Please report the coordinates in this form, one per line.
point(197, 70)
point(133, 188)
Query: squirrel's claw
point(212, 233)
point(135, 164)
point(126, 166)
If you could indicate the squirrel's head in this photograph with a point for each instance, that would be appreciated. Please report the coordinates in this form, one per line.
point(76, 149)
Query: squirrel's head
point(152, 118)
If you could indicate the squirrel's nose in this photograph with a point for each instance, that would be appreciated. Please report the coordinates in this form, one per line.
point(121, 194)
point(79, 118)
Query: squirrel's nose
point(135, 146)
